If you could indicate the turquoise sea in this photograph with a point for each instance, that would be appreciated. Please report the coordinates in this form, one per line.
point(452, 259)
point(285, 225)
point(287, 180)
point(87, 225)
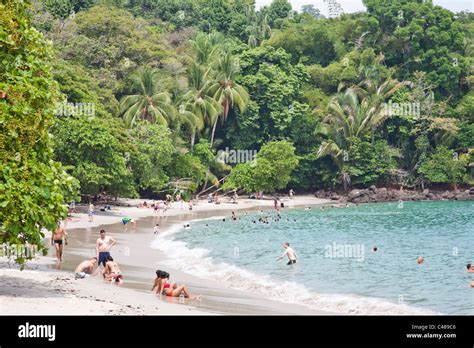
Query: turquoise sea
point(338, 270)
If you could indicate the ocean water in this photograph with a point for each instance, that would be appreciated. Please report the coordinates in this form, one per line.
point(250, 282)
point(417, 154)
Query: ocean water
point(337, 269)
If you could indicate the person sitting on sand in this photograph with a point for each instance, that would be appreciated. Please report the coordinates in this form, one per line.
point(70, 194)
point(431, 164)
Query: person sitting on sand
point(57, 241)
point(171, 289)
point(112, 271)
point(290, 253)
point(85, 267)
point(103, 246)
point(156, 282)
point(470, 268)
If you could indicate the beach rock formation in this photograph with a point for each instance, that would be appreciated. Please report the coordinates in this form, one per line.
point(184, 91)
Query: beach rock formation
point(374, 194)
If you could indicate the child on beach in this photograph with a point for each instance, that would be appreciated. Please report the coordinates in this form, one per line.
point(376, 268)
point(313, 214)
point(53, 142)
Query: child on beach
point(155, 229)
point(112, 271)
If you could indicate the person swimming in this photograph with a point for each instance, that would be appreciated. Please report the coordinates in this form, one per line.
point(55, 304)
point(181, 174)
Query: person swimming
point(470, 268)
point(290, 253)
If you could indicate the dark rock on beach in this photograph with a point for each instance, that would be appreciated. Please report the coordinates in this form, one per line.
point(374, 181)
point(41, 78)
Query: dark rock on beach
point(374, 194)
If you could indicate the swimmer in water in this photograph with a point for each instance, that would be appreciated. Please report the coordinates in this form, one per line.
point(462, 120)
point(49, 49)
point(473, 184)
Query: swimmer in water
point(290, 253)
point(420, 260)
point(470, 268)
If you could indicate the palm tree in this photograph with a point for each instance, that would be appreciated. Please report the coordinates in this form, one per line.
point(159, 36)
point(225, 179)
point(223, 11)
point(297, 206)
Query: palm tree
point(356, 113)
point(148, 104)
point(199, 101)
point(226, 90)
point(205, 47)
point(258, 28)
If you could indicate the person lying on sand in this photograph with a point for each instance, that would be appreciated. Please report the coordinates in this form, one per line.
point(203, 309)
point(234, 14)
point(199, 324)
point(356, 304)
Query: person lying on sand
point(85, 267)
point(112, 271)
point(172, 290)
point(470, 268)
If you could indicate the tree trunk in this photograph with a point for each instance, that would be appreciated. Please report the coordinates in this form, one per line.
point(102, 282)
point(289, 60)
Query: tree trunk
point(192, 142)
point(214, 131)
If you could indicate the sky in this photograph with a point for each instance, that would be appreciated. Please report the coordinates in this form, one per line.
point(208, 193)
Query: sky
point(356, 5)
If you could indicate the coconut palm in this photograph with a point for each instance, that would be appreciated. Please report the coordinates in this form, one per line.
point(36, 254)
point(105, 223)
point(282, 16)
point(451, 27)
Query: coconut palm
point(205, 47)
point(148, 103)
point(199, 101)
point(226, 90)
point(258, 28)
point(356, 113)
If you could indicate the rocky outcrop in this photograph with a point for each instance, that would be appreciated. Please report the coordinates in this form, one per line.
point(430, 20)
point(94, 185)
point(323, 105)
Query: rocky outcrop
point(374, 194)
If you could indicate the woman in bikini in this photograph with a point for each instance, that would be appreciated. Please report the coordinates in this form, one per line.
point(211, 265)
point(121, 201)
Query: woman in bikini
point(172, 290)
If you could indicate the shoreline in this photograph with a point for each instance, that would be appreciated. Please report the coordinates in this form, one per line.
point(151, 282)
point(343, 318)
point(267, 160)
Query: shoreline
point(134, 254)
point(375, 194)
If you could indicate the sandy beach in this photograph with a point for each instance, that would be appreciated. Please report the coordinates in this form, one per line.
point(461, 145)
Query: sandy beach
point(41, 289)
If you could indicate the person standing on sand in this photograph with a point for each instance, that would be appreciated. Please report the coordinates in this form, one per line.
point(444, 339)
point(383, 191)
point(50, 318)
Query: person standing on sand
point(291, 193)
point(85, 267)
point(91, 212)
point(102, 247)
point(112, 271)
point(275, 202)
point(290, 253)
point(57, 241)
point(155, 229)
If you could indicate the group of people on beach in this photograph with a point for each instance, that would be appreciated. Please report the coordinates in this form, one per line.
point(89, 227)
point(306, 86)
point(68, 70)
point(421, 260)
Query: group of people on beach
point(110, 268)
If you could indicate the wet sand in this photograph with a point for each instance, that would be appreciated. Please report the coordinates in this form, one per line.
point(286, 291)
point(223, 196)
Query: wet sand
point(138, 262)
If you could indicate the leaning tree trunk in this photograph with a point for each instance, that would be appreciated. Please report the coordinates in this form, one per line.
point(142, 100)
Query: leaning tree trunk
point(213, 131)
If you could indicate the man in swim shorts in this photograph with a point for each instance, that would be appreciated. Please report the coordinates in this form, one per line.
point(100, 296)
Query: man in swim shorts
point(103, 245)
point(85, 267)
point(57, 241)
point(290, 253)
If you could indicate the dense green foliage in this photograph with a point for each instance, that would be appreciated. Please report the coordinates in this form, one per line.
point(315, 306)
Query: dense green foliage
point(33, 187)
point(352, 100)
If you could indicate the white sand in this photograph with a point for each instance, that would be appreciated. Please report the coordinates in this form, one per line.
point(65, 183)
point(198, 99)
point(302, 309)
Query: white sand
point(39, 290)
point(118, 212)
point(42, 291)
